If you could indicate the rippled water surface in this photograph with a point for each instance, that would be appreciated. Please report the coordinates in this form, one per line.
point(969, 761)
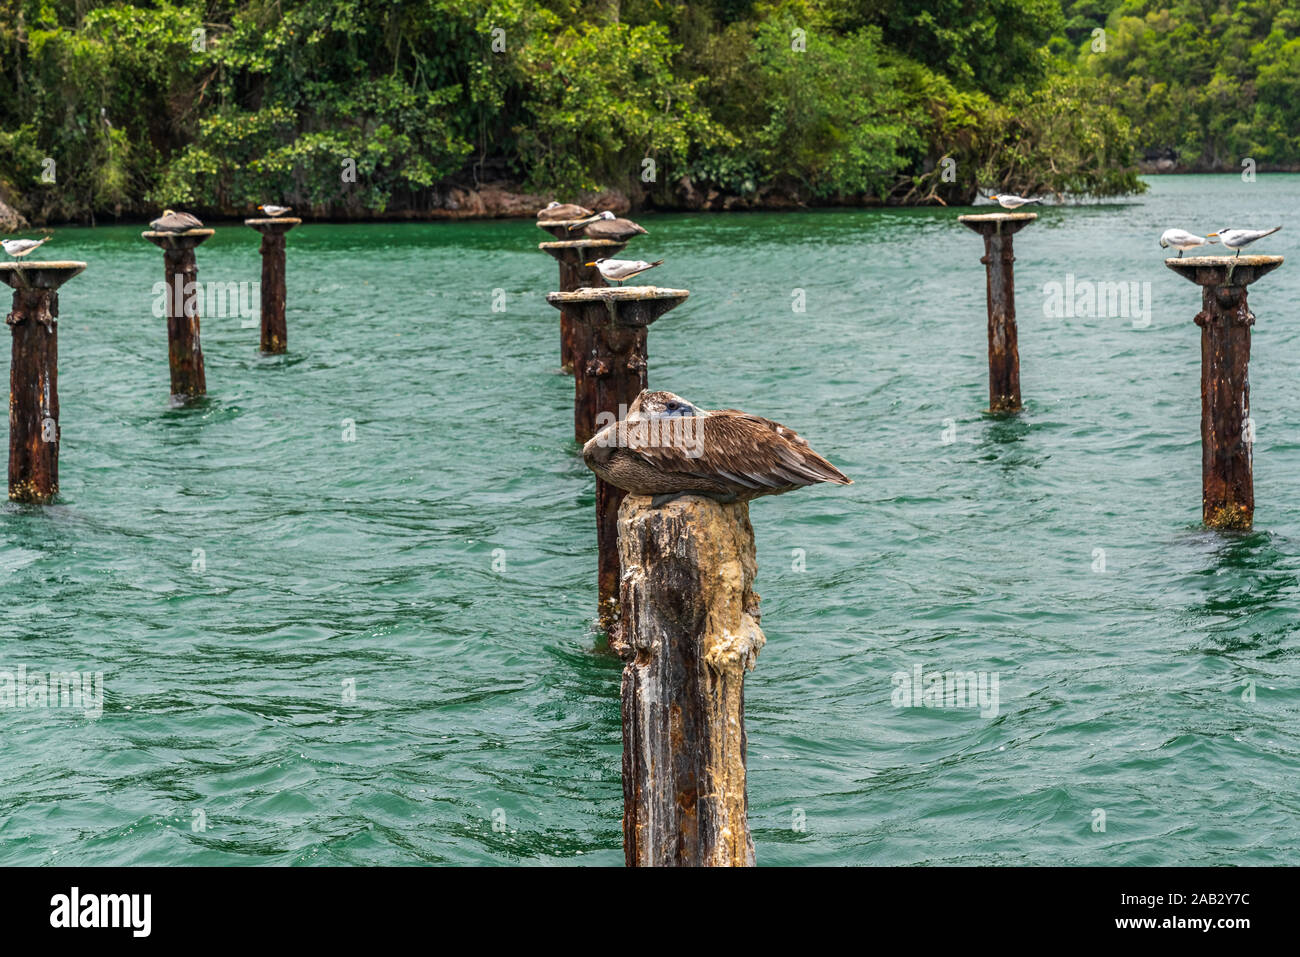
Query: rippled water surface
point(443, 563)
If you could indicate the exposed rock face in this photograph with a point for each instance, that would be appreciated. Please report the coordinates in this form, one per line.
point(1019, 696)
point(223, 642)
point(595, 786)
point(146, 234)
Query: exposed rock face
point(500, 200)
point(690, 630)
point(10, 220)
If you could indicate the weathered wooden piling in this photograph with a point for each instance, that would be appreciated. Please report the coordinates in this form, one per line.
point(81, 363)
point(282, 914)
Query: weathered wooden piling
point(1227, 467)
point(573, 256)
point(689, 632)
point(606, 378)
point(1004, 347)
point(184, 351)
point(34, 377)
point(275, 334)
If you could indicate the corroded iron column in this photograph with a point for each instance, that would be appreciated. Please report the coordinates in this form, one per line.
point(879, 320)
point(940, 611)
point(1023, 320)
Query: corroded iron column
point(34, 377)
point(1227, 468)
point(573, 256)
point(615, 321)
point(184, 352)
point(1004, 347)
point(689, 632)
point(275, 335)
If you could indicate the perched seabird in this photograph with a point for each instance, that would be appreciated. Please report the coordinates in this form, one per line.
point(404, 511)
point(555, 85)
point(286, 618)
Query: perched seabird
point(668, 447)
point(275, 211)
point(1011, 201)
point(562, 211)
point(18, 248)
point(1239, 239)
point(173, 222)
point(1181, 239)
point(619, 270)
point(607, 226)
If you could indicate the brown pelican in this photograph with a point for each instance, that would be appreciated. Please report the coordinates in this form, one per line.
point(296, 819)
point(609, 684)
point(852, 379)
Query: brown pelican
point(668, 447)
point(620, 270)
point(18, 248)
point(173, 222)
point(1182, 240)
point(607, 226)
point(275, 211)
point(1239, 239)
point(561, 211)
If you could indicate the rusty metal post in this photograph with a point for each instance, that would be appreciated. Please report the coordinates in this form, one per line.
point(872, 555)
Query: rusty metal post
point(614, 322)
point(1227, 433)
point(689, 633)
point(34, 378)
point(1004, 347)
point(275, 334)
point(184, 352)
point(573, 256)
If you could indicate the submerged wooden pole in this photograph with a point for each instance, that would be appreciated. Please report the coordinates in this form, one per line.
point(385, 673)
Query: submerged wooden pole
point(1004, 346)
point(573, 256)
point(184, 351)
point(690, 630)
point(275, 334)
point(614, 322)
point(34, 377)
point(1227, 467)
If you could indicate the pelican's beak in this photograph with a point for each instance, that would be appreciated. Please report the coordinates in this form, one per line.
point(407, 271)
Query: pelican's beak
point(583, 222)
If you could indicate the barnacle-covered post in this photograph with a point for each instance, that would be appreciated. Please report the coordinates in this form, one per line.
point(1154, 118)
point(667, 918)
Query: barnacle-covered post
point(34, 377)
point(275, 333)
point(573, 256)
point(689, 632)
point(1004, 348)
point(1227, 434)
point(614, 322)
point(184, 352)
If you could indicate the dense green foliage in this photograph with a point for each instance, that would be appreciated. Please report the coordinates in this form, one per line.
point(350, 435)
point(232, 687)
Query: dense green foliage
point(1210, 82)
point(344, 106)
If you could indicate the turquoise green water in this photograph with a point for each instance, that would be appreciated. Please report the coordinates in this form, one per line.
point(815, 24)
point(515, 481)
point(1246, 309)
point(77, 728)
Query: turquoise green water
point(485, 726)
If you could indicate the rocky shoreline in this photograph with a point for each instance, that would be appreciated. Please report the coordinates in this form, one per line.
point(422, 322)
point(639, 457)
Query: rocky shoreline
point(504, 200)
point(10, 219)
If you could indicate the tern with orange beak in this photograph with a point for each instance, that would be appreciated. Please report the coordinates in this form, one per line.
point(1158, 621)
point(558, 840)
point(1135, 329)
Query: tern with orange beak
point(1239, 239)
point(1181, 240)
point(621, 270)
point(1011, 201)
point(18, 248)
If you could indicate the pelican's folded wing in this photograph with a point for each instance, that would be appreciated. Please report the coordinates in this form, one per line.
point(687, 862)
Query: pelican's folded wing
point(746, 450)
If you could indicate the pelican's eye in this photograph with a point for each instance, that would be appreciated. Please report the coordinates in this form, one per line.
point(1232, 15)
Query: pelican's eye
point(672, 407)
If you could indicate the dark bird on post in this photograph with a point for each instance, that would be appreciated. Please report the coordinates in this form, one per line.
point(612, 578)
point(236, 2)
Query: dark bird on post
point(563, 211)
point(606, 226)
point(667, 447)
point(173, 222)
